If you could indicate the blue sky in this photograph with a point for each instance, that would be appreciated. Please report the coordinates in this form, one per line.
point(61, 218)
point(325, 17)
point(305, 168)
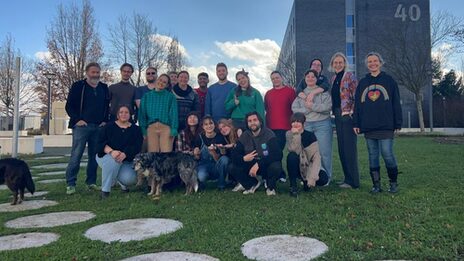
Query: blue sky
point(206, 28)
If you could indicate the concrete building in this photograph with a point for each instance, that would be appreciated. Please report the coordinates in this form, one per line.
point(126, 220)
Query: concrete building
point(394, 28)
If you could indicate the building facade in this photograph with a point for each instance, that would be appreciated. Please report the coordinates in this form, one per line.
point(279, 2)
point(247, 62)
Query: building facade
point(397, 29)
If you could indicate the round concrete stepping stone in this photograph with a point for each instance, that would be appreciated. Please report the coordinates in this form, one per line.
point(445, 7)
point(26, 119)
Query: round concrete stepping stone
point(49, 157)
point(56, 166)
point(174, 255)
point(3, 187)
point(50, 219)
point(36, 194)
point(48, 181)
point(53, 173)
point(283, 247)
point(26, 240)
point(132, 229)
point(27, 205)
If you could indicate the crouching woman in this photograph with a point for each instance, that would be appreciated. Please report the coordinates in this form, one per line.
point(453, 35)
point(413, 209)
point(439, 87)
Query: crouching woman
point(303, 159)
point(118, 143)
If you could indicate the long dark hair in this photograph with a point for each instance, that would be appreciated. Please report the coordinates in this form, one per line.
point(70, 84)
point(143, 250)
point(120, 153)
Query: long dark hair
point(238, 89)
point(188, 134)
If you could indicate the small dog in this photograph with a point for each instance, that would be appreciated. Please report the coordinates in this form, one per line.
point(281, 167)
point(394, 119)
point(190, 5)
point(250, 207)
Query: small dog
point(161, 168)
point(17, 176)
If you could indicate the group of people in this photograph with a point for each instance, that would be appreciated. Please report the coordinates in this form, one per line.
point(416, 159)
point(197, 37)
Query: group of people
point(237, 136)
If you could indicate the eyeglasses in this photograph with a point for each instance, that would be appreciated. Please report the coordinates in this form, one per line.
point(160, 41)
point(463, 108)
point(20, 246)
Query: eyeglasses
point(151, 73)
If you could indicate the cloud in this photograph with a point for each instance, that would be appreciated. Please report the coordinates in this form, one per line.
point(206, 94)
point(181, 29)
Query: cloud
point(258, 57)
point(166, 40)
point(43, 55)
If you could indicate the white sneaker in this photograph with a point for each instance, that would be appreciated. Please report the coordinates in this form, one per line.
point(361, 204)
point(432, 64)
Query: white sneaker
point(283, 180)
point(265, 183)
point(270, 192)
point(238, 188)
point(252, 189)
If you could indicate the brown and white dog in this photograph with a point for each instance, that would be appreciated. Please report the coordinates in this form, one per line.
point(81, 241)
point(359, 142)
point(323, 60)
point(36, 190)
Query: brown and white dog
point(161, 168)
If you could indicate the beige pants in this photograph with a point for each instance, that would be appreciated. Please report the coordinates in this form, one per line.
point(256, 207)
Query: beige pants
point(159, 138)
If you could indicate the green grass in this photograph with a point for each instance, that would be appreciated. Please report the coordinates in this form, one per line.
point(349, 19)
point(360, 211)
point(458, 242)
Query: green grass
point(424, 221)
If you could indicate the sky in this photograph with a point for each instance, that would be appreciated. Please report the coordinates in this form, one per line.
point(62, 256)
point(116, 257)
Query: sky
point(242, 33)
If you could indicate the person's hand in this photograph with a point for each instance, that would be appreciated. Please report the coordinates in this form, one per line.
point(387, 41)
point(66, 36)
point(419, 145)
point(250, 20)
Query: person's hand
point(356, 130)
point(250, 156)
point(196, 153)
point(310, 97)
point(115, 153)
point(102, 124)
point(122, 156)
point(236, 100)
point(295, 130)
point(81, 123)
point(309, 104)
point(254, 170)
point(302, 95)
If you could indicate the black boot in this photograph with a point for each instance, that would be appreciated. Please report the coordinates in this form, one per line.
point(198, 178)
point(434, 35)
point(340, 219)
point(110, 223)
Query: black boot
point(375, 176)
point(104, 195)
point(293, 192)
point(393, 176)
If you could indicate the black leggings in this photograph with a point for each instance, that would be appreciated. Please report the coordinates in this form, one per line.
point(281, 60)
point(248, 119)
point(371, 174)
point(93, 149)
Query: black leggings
point(270, 173)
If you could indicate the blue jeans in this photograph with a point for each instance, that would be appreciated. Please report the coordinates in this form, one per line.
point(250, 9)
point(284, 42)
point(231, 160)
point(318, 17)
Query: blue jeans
point(323, 131)
point(113, 171)
point(210, 169)
point(375, 147)
point(81, 136)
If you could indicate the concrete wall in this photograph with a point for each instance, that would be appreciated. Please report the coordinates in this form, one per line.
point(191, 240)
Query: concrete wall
point(26, 145)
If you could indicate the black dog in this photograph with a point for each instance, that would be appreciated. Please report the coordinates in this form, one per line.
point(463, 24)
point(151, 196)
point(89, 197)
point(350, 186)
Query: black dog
point(161, 168)
point(17, 176)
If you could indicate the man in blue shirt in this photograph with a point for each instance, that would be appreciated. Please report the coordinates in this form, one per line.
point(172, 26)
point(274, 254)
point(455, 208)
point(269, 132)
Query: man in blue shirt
point(217, 94)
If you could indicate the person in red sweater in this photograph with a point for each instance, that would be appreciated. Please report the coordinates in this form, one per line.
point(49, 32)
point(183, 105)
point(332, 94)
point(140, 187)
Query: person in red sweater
point(202, 90)
point(278, 104)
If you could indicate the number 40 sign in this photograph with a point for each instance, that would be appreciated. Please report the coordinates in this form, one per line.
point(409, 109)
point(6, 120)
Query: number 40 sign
point(413, 12)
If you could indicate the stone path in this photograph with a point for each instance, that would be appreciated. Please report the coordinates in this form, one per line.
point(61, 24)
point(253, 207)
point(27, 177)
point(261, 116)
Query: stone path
point(36, 194)
point(48, 181)
point(27, 205)
point(56, 166)
point(49, 157)
point(132, 229)
point(169, 256)
point(283, 247)
point(50, 219)
point(53, 173)
point(26, 240)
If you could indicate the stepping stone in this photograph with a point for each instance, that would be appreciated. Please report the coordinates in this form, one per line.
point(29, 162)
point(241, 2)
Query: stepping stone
point(56, 166)
point(34, 178)
point(27, 205)
point(27, 240)
point(53, 173)
point(174, 255)
point(48, 181)
point(36, 194)
point(69, 154)
point(50, 219)
point(283, 247)
point(49, 157)
point(132, 229)
point(3, 187)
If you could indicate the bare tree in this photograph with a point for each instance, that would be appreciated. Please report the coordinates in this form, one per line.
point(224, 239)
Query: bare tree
point(72, 41)
point(445, 28)
point(27, 97)
point(175, 58)
point(134, 41)
point(409, 62)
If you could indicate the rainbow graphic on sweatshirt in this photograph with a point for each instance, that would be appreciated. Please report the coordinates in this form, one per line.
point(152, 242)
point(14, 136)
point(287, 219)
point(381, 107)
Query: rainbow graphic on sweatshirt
point(373, 93)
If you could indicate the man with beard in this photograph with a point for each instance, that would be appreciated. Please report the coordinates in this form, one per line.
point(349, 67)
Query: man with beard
point(88, 108)
point(151, 74)
point(217, 94)
point(123, 92)
point(257, 153)
point(202, 91)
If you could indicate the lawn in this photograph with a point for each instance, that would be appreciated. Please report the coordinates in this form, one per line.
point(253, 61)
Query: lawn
point(424, 221)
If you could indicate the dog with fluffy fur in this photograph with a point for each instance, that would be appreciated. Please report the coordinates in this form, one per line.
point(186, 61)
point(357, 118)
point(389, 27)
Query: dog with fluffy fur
point(17, 176)
point(161, 168)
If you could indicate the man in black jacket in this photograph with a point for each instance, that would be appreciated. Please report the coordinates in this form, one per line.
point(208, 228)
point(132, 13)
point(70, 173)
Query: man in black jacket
point(88, 108)
point(257, 153)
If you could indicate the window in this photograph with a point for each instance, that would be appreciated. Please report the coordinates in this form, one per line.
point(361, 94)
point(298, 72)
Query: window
point(349, 49)
point(350, 21)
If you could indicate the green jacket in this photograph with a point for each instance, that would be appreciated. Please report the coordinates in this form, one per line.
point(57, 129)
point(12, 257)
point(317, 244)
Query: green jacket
point(247, 104)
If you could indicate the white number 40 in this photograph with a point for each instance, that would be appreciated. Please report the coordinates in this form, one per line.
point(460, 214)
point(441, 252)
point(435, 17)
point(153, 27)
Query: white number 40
point(414, 13)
